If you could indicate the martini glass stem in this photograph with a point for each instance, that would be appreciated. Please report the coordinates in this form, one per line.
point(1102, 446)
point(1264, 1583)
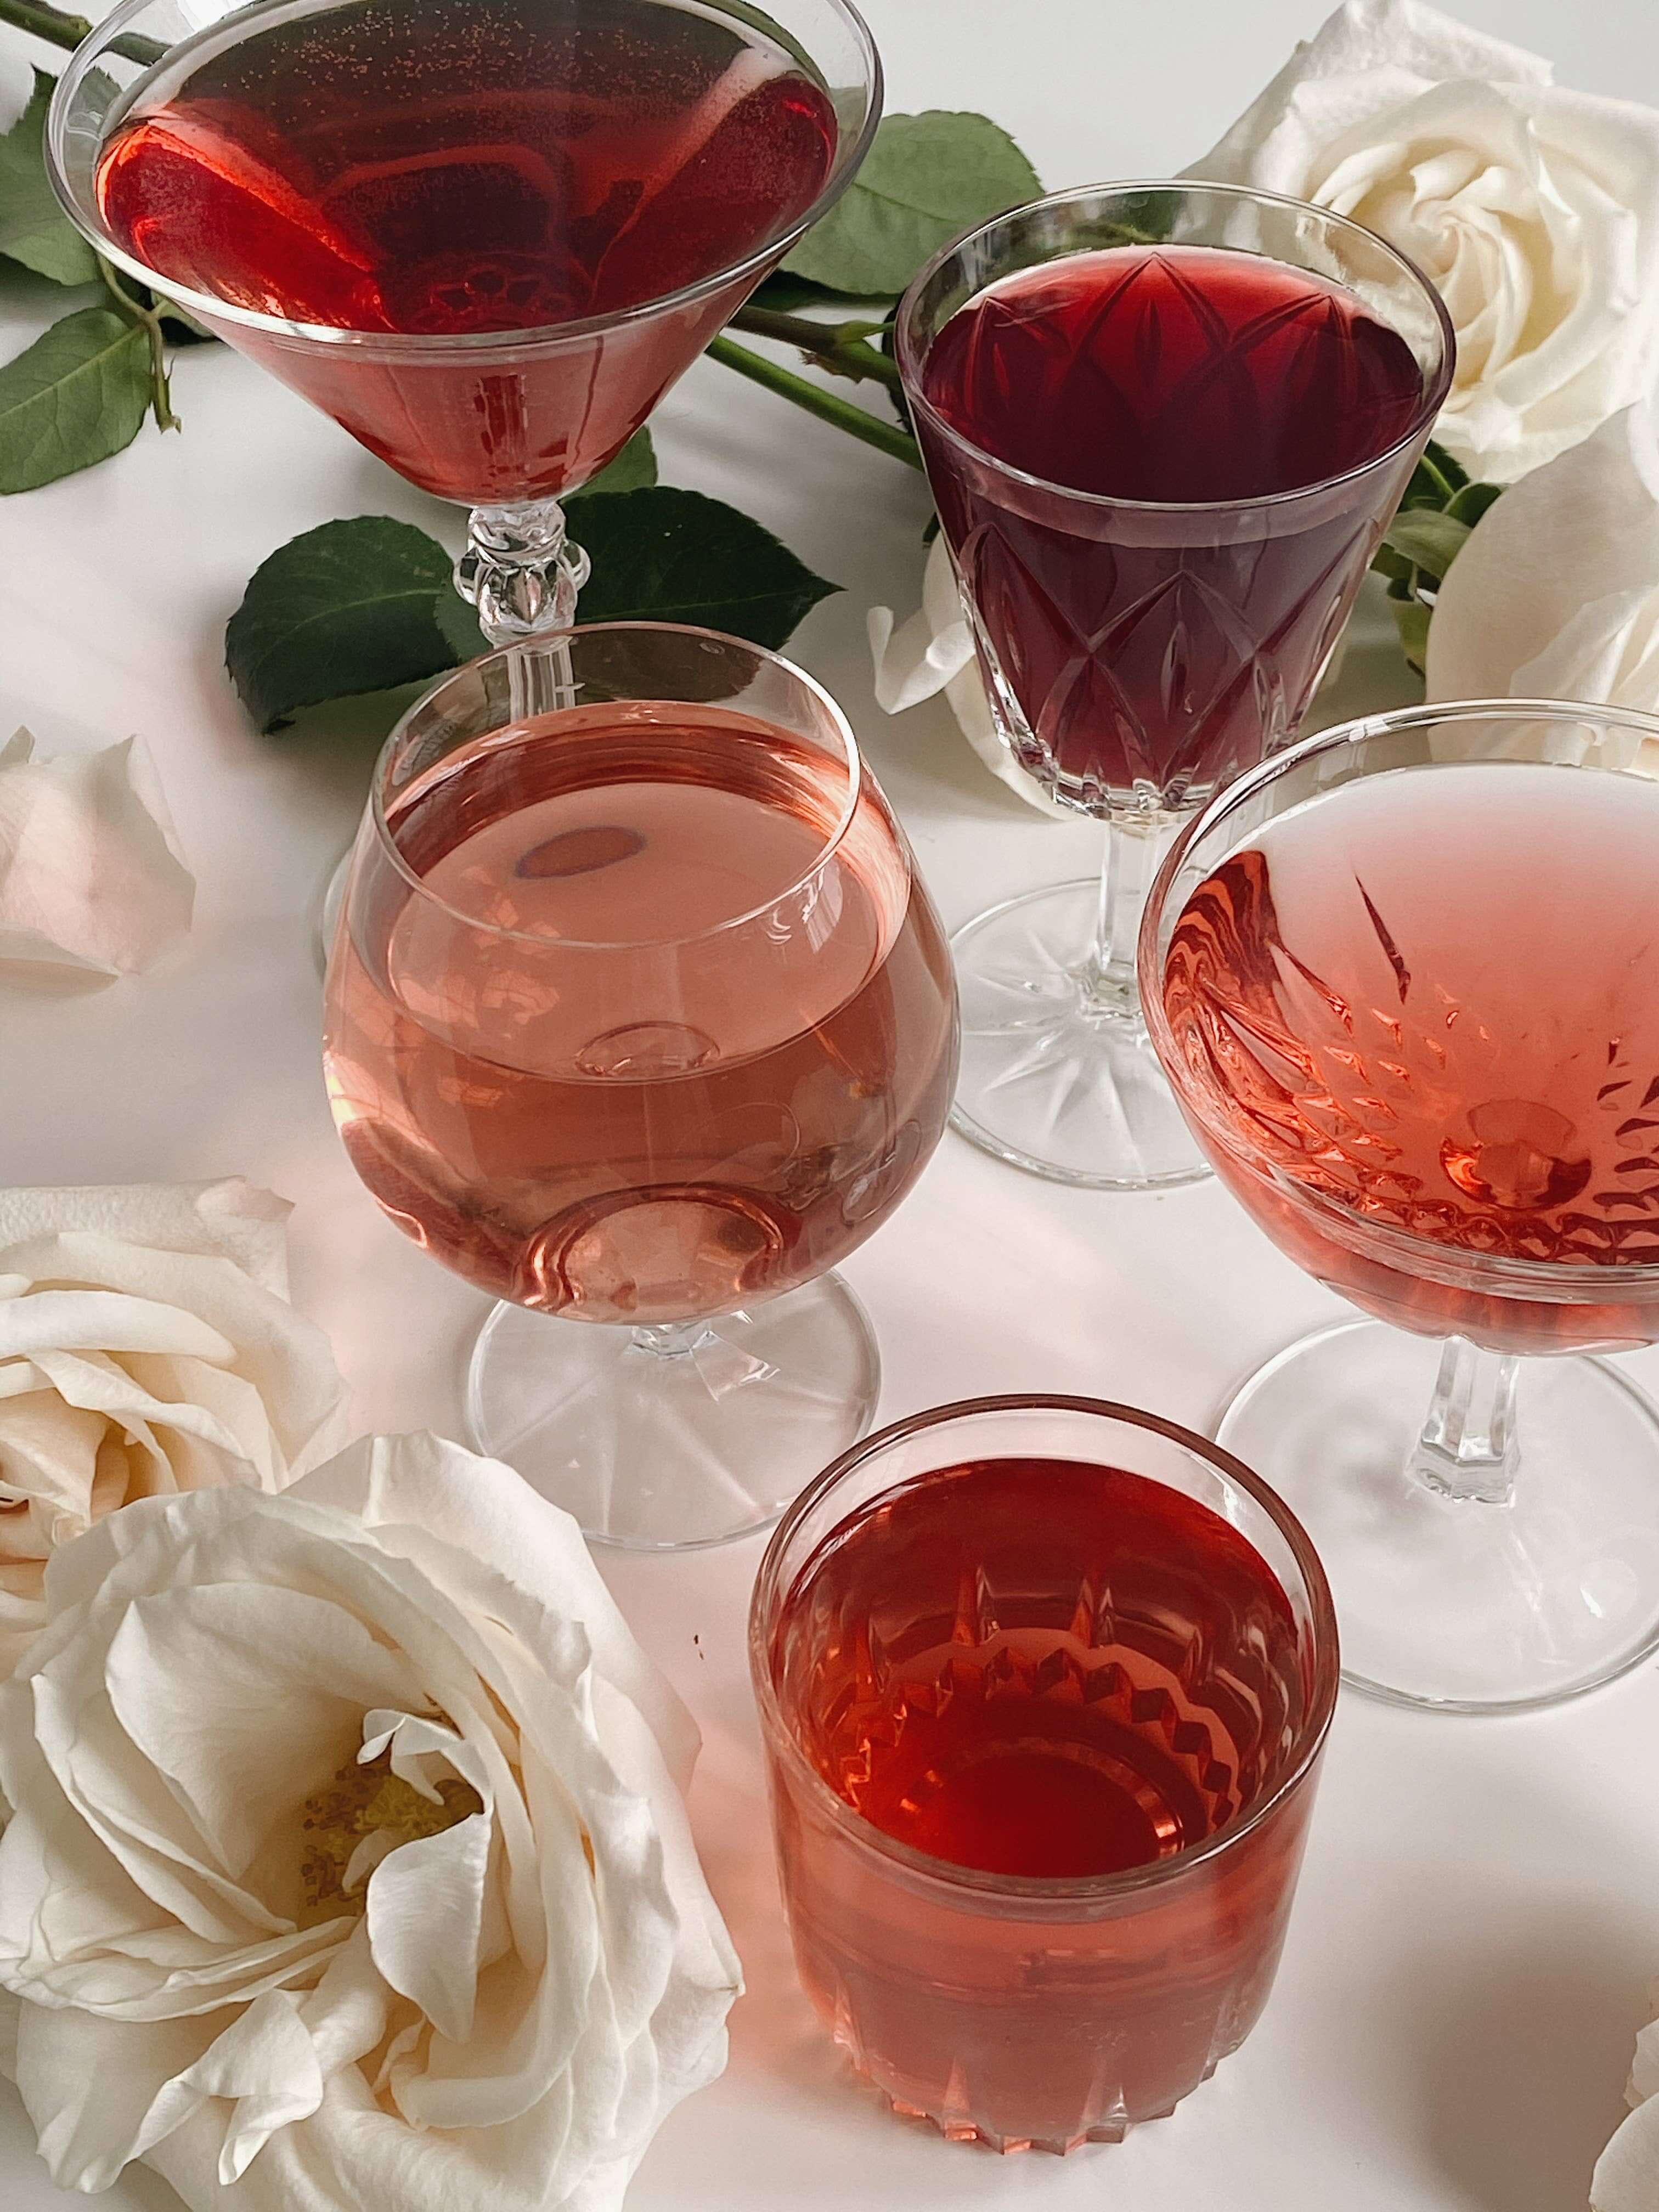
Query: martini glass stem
point(1468, 1448)
point(1136, 839)
point(520, 570)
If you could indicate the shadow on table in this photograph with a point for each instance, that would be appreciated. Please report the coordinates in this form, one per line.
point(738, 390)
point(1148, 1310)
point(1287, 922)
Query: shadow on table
point(1523, 2055)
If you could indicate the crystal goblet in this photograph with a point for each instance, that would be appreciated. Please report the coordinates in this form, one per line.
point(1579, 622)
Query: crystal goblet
point(1165, 426)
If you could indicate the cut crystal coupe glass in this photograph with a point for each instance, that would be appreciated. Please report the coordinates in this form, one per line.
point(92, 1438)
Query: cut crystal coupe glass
point(1139, 651)
point(1402, 980)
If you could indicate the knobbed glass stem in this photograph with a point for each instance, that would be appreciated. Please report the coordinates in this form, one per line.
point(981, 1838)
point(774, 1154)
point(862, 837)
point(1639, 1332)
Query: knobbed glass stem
point(520, 570)
point(1468, 1448)
point(1136, 841)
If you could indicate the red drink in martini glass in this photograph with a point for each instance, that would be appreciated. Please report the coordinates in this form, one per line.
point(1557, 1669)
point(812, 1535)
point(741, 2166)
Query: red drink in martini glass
point(485, 237)
point(1165, 426)
point(1405, 983)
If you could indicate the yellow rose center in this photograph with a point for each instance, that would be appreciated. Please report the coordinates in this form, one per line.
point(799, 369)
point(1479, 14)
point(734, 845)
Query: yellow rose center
point(363, 1800)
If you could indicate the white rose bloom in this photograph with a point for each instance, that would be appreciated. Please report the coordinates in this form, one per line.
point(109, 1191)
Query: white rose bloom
point(1556, 594)
point(348, 1869)
point(1533, 208)
point(1626, 2177)
point(146, 1347)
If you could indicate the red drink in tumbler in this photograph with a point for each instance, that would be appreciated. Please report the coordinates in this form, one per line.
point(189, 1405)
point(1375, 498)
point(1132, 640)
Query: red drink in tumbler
point(439, 167)
point(1163, 651)
point(1078, 1701)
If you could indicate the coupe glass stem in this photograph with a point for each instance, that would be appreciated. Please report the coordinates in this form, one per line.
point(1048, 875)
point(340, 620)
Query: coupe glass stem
point(1135, 841)
point(1468, 1448)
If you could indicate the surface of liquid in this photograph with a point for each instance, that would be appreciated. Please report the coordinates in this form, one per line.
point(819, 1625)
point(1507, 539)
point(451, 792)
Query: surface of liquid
point(1157, 651)
point(571, 1067)
point(466, 164)
point(1043, 1669)
point(1430, 998)
point(1038, 1668)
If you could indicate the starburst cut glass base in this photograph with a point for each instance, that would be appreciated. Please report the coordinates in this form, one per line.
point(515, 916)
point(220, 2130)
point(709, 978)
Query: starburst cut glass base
point(664, 1440)
point(1451, 1602)
point(1046, 1082)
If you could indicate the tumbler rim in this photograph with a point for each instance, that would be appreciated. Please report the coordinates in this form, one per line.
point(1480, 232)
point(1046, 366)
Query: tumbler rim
point(1037, 1892)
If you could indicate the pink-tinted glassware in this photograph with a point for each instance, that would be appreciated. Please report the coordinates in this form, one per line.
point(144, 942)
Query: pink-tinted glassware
point(1143, 1639)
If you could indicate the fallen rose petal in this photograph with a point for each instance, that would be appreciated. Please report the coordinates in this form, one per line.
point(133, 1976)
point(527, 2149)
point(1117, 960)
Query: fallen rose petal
point(91, 882)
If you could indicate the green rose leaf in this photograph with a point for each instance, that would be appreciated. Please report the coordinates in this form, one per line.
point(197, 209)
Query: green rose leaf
point(666, 555)
point(634, 468)
point(1429, 541)
point(346, 607)
point(77, 395)
point(33, 228)
point(925, 178)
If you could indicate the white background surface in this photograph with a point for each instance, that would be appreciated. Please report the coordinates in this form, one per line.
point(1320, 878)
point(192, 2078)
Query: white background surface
point(1480, 1911)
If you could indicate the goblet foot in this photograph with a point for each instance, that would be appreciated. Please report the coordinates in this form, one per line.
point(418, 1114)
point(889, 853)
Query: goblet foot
point(666, 1439)
point(1049, 1081)
point(1456, 1604)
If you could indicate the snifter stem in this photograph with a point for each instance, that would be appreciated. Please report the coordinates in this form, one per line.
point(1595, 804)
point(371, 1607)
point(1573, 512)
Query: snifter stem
point(1468, 1448)
point(1135, 844)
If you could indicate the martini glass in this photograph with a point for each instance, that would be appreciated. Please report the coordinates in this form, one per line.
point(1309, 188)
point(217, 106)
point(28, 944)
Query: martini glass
point(484, 238)
point(1405, 983)
point(1165, 426)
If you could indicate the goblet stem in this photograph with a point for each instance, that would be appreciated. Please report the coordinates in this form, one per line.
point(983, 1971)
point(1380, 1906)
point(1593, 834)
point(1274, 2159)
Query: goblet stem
point(1136, 839)
point(1468, 1448)
point(520, 569)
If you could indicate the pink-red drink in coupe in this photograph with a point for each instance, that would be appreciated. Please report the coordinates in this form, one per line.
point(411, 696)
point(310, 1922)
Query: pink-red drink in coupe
point(1041, 1670)
point(442, 168)
point(1167, 633)
point(631, 1034)
point(1424, 1008)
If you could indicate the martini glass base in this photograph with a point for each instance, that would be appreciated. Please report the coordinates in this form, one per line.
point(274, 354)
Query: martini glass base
point(1457, 1604)
point(668, 1439)
point(1047, 1082)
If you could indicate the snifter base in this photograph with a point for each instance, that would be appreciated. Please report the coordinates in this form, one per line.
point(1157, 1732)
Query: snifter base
point(667, 1439)
point(1458, 1604)
point(1047, 1083)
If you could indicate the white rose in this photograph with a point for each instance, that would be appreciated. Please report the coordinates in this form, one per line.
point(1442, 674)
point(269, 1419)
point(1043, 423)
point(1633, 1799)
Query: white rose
point(348, 1869)
point(146, 1346)
point(1626, 2177)
point(933, 652)
point(1556, 593)
point(1534, 210)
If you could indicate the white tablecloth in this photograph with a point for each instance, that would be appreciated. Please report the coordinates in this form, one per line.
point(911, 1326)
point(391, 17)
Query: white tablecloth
point(1480, 1911)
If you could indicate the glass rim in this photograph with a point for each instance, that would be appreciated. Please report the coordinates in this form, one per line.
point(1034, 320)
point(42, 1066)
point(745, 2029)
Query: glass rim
point(912, 356)
point(770, 1591)
point(1450, 1264)
point(375, 813)
point(413, 345)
